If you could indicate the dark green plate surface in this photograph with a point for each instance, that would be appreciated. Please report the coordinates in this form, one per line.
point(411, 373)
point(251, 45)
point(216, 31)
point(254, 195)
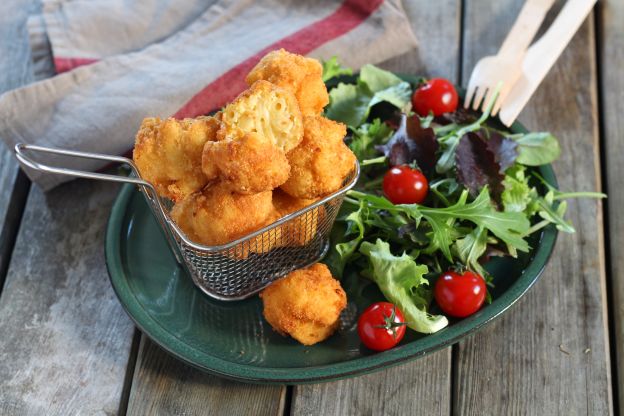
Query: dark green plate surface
point(231, 339)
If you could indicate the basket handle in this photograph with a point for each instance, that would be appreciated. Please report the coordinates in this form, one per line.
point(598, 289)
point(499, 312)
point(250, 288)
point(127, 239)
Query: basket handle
point(20, 154)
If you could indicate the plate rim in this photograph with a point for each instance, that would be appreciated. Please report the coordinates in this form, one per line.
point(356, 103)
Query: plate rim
point(321, 373)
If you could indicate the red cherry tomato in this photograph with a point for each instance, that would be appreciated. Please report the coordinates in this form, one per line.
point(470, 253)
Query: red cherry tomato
point(460, 295)
point(404, 185)
point(381, 326)
point(437, 95)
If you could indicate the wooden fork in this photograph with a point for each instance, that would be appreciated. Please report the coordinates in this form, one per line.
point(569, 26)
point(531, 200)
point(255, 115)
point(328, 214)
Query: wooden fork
point(506, 66)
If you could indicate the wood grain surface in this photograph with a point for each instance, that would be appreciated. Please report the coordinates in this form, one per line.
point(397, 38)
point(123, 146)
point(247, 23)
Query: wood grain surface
point(549, 353)
point(423, 384)
point(66, 344)
point(15, 70)
point(65, 339)
point(165, 386)
point(611, 41)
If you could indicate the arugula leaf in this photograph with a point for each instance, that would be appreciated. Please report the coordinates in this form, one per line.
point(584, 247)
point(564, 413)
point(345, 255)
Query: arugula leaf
point(332, 69)
point(510, 227)
point(402, 282)
point(470, 249)
point(536, 149)
point(351, 103)
point(554, 213)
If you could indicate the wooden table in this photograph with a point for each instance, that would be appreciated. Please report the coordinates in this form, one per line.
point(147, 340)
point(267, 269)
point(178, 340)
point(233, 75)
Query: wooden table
point(67, 347)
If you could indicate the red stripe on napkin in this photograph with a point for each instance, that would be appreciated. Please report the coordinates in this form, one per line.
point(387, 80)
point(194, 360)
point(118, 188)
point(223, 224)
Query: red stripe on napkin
point(67, 64)
point(216, 94)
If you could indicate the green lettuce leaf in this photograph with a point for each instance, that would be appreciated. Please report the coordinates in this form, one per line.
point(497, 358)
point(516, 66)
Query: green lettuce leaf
point(367, 136)
point(470, 248)
point(536, 149)
point(402, 281)
point(332, 69)
point(351, 103)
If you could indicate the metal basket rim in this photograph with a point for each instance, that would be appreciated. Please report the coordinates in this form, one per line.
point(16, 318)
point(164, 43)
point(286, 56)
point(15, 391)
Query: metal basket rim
point(205, 248)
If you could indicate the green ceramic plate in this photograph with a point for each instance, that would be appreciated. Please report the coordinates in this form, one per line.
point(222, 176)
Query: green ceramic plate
point(231, 339)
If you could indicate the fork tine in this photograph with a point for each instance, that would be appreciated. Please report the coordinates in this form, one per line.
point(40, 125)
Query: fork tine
point(487, 98)
point(479, 97)
point(500, 101)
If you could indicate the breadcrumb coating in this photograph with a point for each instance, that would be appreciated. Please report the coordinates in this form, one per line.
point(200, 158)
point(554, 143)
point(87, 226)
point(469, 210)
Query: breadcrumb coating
point(321, 162)
point(247, 166)
point(306, 304)
point(168, 154)
point(217, 215)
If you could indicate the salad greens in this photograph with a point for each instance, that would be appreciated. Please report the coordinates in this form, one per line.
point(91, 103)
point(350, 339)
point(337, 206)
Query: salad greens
point(402, 282)
point(482, 200)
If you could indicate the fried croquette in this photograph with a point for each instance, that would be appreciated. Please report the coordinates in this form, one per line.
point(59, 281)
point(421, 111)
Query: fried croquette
point(300, 75)
point(248, 166)
point(168, 154)
point(301, 230)
point(321, 163)
point(270, 111)
point(217, 215)
point(306, 304)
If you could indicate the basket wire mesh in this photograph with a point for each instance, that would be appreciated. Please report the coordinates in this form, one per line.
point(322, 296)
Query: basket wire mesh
point(243, 267)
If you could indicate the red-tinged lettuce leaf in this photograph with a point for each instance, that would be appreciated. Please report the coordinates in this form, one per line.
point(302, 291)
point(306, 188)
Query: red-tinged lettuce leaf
point(426, 144)
point(411, 143)
point(459, 116)
point(504, 149)
point(477, 167)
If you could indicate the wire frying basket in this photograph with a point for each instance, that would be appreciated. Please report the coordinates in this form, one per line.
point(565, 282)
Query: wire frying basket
point(241, 268)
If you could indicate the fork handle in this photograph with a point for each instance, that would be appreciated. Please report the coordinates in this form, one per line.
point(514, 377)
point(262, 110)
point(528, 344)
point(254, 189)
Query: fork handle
point(525, 27)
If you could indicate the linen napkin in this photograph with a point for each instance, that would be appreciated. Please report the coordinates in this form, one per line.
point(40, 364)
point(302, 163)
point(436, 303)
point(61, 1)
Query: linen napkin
point(126, 60)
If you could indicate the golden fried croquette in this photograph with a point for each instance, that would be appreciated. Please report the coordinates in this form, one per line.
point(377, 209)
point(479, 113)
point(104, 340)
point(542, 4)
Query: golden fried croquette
point(299, 231)
point(306, 304)
point(168, 154)
point(217, 215)
point(248, 166)
point(270, 111)
point(300, 75)
point(321, 163)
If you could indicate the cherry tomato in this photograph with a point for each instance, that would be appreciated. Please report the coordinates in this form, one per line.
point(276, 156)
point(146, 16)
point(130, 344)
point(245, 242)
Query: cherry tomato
point(404, 185)
point(381, 326)
point(437, 95)
point(460, 295)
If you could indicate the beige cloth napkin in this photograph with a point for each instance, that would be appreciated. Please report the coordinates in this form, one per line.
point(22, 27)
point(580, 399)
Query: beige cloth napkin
point(125, 60)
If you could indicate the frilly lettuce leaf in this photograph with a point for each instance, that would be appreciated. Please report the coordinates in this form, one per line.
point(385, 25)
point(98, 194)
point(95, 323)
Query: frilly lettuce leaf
point(351, 103)
point(332, 69)
point(402, 282)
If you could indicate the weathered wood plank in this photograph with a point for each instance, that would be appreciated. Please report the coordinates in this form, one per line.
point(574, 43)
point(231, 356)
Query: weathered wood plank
point(15, 70)
point(165, 386)
point(611, 40)
point(422, 386)
point(66, 338)
point(549, 354)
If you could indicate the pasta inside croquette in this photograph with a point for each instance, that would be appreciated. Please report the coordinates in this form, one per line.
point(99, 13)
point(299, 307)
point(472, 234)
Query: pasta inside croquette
point(300, 75)
point(271, 112)
point(305, 305)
